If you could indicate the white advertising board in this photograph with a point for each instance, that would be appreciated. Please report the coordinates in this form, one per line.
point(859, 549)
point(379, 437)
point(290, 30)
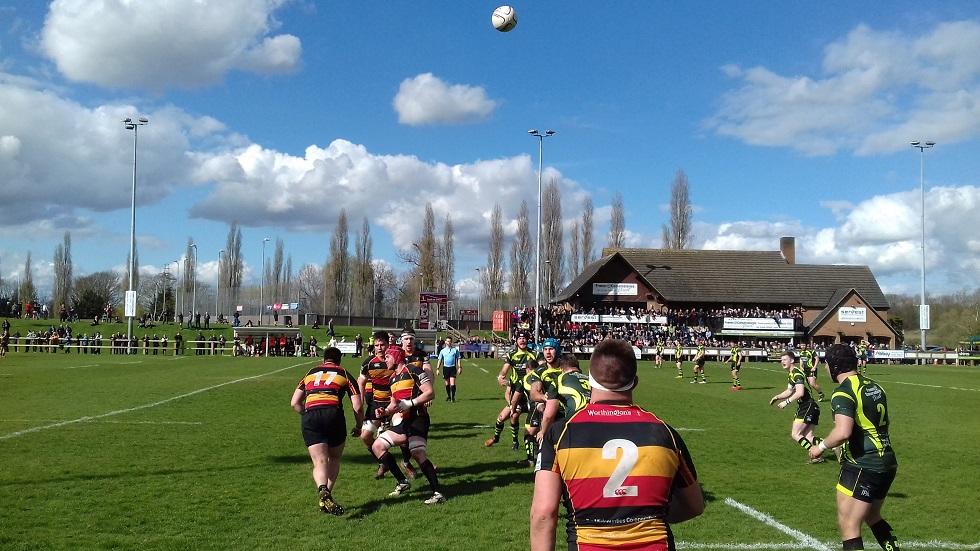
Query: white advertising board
point(852, 314)
point(610, 289)
point(759, 324)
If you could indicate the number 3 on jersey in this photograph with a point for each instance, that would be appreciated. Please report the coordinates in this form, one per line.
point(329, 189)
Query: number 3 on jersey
point(614, 486)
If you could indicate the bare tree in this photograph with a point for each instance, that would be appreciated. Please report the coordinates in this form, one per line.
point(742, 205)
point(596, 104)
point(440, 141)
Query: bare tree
point(363, 269)
point(274, 271)
point(426, 247)
point(62, 274)
point(447, 262)
point(552, 240)
point(678, 235)
point(27, 292)
point(338, 266)
point(573, 251)
point(520, 258)
point(495, 258)
point(588, 213)
point(287, 280)
point(310, 287)
point(232, 265)
point(617, 225)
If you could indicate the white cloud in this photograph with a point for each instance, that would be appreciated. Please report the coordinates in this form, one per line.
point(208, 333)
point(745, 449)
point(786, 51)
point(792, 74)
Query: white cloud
point(883, 233)
point(57, 156)
point(268, 187)
point(155, 44)
point(427, 99)
point(878, 91)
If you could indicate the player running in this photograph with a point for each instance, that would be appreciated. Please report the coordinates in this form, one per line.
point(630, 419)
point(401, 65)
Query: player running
point(658, 354)
point(511, 377)
point(411, 387)
point(537, 383)
point(374, 382)
point(319, 400)
point(807, 410)
point(862, 354)
point(735, 358)
point(809, 360)
point(699, 358)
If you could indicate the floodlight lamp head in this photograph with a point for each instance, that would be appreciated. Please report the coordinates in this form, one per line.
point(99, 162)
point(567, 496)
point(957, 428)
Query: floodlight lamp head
point(915, 143)
point(144, 120)
point(533, 131)
point(930, 144)
point(550, 132)
point(127, 120)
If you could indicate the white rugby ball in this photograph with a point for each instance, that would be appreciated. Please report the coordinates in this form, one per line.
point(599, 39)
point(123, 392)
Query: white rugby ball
point(504, 18)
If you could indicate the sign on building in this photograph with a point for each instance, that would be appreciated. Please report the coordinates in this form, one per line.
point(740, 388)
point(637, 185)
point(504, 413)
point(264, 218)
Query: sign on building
point(759, 324)
point(852, 314)
point(439, 309)
point(614, 289)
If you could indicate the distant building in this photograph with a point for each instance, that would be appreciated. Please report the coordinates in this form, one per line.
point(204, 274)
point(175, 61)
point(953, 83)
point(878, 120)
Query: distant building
point(839, 303)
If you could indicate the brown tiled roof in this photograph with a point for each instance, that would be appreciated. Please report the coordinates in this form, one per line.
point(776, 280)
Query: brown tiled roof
point(737, 277)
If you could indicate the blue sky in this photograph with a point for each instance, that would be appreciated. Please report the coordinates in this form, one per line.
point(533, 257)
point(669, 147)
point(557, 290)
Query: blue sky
point(788, 119)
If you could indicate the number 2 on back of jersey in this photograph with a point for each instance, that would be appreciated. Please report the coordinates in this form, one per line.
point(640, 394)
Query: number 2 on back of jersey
point(614, 486)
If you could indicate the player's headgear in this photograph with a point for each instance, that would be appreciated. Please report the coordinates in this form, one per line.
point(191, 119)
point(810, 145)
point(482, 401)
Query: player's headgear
point(396, 353)
point(408, 332)
point(840, 359)
point(522, 333)
point(551, 343)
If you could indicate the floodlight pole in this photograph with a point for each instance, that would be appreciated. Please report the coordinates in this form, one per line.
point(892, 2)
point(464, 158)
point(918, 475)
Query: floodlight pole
point(262, 283)
point(217, 286)
point(922, 212)
point(133, 125)
point(194, 293)
point(479, 301)
point(537, 261)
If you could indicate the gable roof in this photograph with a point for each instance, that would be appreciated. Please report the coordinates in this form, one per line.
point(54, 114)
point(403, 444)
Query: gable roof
point(751, 277)
point(839, 297)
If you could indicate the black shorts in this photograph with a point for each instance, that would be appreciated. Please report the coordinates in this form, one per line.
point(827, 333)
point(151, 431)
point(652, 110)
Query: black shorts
point(324, 425)
point(534, 419)
point(699, 362)
point(371, 407)
point(417, 425)
point(808, 412)
point(864, 485)
point(448, 371)
point(812, 372)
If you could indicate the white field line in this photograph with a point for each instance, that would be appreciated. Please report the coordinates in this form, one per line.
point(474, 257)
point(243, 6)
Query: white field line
point(130, 363)
point(928, 386)
point(688, 429)
point(100, 421)
point(484, 370)
point(885, 381)
point(803, 540)
point(81, 366)
point(144, 406)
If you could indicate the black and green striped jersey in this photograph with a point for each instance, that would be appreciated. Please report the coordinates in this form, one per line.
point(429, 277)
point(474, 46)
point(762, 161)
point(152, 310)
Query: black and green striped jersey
point(545, 375)
point(797, 376)
point(572, 391)
point(807, 359)
point(519, 361)
point(735, 355)
point(869, 446)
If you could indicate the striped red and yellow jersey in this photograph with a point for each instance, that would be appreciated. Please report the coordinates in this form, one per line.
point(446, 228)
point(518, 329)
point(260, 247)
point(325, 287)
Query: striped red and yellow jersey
point(378, 379)
point(619, 465)
point(325, 386)
point(406, 384)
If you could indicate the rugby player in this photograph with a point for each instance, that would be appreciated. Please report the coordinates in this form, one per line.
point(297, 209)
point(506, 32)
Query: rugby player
point(589, 457)
point(413, 357)
point(537, 383)
point(862, 354)
point(868, 466)
point(569, 394)
point(699, 376)
point(807, 410)
point(679, 358)
point(374, 383)
point(809, 360)
point(735, 358)
point(411, 387)
point(511, 377)
point(658, 352)
point(319, 400)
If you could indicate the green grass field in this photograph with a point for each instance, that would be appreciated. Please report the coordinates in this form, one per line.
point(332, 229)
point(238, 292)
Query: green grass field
point(155, 452)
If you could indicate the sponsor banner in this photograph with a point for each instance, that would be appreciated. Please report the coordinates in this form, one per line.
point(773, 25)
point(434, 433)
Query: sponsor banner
point(611, 289)
point(294, 306)
point(476, 348)
point(467, 314)
point(759, 324)
point(888, 354)
point(852, 314)
point(593, 318)
point(434, 297)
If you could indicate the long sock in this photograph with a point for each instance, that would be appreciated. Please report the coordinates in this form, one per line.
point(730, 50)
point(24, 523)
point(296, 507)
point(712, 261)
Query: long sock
point(497, 429)
point(527, 445)
point(449, 392)
point(738, 382)
point(853, 543)
point(513, 432)
point(430, 474)
point(883, 533)
point(406, 455)
point(389, 462)
point(452, 392)
point(804, 443)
